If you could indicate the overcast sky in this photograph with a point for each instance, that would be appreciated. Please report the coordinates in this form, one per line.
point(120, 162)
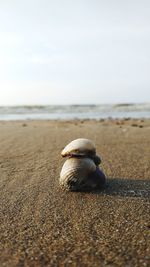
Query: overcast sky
point(73, 52)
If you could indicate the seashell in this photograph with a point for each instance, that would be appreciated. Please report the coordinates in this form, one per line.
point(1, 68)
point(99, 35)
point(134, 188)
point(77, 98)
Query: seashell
point(96, 159)
point(81, 174)
point(97, 179)
point(75, 171)
point(79, 147)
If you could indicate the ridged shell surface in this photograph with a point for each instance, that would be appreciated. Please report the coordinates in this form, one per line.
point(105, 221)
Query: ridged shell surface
point(80, 146)
point(75, 172)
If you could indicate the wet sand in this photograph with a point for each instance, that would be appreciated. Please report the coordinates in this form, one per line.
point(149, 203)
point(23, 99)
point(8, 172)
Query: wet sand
point(41, 225)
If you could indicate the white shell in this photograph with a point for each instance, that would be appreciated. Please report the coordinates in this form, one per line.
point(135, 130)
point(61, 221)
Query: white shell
point(75, 172)
point(80, 146)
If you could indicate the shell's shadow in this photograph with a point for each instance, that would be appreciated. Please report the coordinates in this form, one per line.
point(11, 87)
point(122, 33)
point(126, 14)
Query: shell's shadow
point(126, 188)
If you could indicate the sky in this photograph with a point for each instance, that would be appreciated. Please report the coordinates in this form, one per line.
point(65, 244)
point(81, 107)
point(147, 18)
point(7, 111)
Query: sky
point(74, 52)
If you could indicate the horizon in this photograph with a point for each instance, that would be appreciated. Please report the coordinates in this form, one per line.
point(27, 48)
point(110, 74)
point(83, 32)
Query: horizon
point(76, 105)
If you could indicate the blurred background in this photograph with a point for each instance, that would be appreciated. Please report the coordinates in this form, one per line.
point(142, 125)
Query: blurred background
point(74, 52)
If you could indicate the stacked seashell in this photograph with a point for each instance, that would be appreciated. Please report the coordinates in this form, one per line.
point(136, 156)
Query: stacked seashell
point(80, 171)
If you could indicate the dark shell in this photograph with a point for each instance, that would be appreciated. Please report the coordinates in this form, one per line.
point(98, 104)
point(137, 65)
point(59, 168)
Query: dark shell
point(96, 159)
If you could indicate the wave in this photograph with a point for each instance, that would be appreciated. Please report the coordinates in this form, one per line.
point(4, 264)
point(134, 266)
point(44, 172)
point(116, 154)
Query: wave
point(88, 111)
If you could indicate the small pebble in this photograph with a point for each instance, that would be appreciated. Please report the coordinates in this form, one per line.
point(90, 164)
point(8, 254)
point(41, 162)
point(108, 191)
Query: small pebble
point(134, 125)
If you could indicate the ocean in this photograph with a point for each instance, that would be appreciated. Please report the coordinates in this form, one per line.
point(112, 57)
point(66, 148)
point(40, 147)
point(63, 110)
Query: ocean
point(69, 112)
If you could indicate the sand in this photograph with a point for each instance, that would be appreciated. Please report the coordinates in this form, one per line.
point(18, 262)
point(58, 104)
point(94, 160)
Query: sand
point(41, 225)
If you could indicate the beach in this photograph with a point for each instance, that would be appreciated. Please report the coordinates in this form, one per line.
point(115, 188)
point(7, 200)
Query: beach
point(42, 225)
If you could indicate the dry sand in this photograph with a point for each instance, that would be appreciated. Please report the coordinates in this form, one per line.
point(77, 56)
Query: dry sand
point(41, 225)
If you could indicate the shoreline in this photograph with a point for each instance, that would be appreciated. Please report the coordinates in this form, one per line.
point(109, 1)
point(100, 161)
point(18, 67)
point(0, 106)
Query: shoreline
point(110, 119)
point(69, 112)
point(71, 118)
